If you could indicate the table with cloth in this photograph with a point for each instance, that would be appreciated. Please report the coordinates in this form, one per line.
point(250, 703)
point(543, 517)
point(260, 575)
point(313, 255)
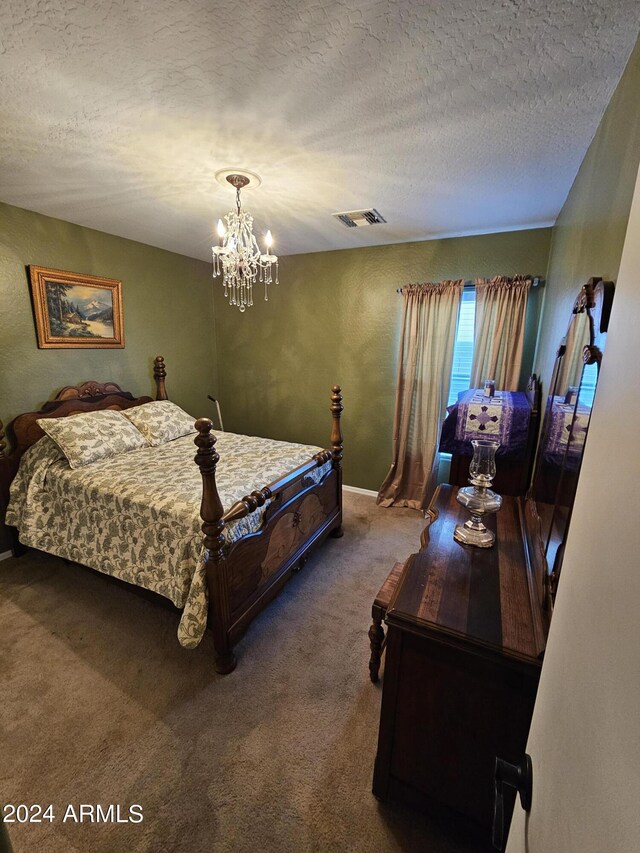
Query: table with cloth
point(503, 418)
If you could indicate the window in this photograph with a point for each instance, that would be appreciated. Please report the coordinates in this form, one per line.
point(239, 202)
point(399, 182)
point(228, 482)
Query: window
point(463, 349)
point(588, 385)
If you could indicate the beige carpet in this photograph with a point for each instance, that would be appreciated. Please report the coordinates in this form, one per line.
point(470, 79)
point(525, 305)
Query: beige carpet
point(100, 704)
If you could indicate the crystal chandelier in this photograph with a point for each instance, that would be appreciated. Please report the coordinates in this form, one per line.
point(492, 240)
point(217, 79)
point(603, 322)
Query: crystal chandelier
point(238, 257)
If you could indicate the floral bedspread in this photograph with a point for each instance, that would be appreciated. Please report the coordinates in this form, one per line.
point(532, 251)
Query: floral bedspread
point(137, 515)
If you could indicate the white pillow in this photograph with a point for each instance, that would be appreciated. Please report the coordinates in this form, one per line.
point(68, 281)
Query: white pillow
point(91, 436)
point(160, 421)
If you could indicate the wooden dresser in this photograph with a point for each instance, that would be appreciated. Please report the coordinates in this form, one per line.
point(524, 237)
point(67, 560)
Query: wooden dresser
point(466, 632)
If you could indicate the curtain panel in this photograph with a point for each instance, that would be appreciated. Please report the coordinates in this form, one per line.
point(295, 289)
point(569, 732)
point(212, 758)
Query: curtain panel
point(571, 365)
point(501, 305)
point(429, 318)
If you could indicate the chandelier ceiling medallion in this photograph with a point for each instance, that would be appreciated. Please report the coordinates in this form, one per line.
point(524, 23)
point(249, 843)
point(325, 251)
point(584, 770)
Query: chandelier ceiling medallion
point(238, 257)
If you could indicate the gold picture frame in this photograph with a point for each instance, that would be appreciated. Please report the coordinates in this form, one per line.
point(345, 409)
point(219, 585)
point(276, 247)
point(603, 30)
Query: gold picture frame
point(76, 311)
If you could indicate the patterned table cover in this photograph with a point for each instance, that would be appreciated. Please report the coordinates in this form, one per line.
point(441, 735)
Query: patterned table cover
point(563, 417)
point(503, 418)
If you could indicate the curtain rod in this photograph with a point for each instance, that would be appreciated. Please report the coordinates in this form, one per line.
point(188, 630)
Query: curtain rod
point(536, 281)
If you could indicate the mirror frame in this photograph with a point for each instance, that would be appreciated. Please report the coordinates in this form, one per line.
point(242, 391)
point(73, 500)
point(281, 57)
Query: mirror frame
point(594, 299)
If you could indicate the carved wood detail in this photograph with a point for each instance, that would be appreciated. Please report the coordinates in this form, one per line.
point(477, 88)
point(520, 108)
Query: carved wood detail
point(160, 374)
point(430, 515)
point(247, 557)
point(376, 643)
point(25, 431)
point(211, 511)
point(290, 531)
point(591, 354)
point(336, 431)
point(88, 390)
point(596, 293)
point(585, 299)
point(249, 503)
point(337, 444)
point(377, 639)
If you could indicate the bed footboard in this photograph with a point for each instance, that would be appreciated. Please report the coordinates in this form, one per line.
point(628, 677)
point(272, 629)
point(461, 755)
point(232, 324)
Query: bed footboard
point(244, 578)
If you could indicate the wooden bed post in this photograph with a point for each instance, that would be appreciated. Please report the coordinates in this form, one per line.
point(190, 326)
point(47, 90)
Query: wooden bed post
point(159, 374)
point(211, 512)
point(337, 444)
point(2, 441)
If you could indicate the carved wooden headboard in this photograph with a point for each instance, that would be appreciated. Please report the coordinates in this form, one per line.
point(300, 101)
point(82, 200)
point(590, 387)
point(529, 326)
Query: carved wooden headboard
point(23, 431)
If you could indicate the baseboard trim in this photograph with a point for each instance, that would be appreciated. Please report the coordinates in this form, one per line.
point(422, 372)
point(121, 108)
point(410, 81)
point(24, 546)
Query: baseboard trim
point(358, 491)
point(5, 555)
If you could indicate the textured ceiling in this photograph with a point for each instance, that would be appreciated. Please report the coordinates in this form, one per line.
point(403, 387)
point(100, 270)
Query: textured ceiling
point(448, 116)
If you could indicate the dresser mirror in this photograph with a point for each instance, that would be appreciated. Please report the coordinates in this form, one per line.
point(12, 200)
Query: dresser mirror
point(566, 422)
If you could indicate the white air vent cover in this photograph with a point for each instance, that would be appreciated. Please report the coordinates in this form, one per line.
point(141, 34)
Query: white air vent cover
point(358, 218)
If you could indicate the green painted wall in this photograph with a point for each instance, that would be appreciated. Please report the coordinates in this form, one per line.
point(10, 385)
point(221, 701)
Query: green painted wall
point(335, 317)
point(168, 310)
point(590, 230)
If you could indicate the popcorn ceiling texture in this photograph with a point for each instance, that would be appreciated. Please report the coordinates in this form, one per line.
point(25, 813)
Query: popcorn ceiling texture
point(449, 117)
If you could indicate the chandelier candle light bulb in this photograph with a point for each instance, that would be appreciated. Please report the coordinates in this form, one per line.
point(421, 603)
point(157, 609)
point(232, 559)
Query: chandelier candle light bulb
point(238, 257)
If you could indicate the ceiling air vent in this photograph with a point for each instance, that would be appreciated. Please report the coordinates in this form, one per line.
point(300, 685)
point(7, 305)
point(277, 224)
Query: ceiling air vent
point(358, 218)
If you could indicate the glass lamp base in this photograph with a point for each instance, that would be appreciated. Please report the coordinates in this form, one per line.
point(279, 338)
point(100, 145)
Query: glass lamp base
point(471, 533)
point(479, 500)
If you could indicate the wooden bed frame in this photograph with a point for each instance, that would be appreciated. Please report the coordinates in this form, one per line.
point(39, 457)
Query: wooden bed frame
point(244, 577)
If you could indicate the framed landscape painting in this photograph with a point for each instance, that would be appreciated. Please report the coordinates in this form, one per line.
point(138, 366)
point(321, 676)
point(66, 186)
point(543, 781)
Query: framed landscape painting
point(74, 310)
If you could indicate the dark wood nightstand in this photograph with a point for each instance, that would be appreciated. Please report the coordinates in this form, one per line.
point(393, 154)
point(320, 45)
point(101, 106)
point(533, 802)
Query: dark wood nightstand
point(466, 633)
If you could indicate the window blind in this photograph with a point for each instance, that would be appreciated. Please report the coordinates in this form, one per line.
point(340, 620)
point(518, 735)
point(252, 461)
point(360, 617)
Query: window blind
point(463, 348)
point(588, 384)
